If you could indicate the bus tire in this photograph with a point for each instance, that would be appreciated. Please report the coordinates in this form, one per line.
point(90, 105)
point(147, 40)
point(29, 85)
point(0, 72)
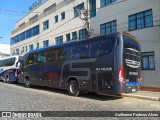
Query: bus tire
point(7, 80)
point(27, 83)
point(4, 80)
point(73, 88)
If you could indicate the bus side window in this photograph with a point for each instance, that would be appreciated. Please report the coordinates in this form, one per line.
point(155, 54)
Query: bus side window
point(107, 45)
point(50, 55)
point(80, 51)
point(95, 48)
point(30, 59)
point(60, 54)
point(67, 51)
point(41, 58)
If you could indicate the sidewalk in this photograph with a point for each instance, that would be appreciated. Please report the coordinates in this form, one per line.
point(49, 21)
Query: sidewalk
point(146, 93)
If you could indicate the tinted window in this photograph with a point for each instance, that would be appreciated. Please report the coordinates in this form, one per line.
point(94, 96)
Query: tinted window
point(56, 18)
point(57, 54)
point(107, 45)
point(41, 58)
point(22, 36)
point(50, 55)
point(67, 50)
point(59, 40)
point(95, 48)
point(60, 54)
point(46, 25)
point(30, 59)
point(35, 30)
point(80, 51)
point(28, 33)
point(74, 35)
point(7, 62)
point(82, 34)
point(45, 43)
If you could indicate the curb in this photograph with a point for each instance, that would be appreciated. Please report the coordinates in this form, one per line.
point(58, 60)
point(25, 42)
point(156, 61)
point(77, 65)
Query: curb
point(142, 97)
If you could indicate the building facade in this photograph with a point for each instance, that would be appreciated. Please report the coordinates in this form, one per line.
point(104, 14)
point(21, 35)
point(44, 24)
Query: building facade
point(57, 21)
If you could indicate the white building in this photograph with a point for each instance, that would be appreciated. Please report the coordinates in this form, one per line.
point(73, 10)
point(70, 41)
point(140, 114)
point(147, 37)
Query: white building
point(4, 50)
point(56, 21)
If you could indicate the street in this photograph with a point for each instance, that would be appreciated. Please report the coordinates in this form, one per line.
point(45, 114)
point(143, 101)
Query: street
point(18, 98)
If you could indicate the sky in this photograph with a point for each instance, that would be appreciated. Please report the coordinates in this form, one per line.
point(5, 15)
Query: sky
point(8, 18)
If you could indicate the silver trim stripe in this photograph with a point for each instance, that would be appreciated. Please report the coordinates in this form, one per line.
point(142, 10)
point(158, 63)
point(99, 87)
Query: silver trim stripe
point(133, 50)
point(132, 63)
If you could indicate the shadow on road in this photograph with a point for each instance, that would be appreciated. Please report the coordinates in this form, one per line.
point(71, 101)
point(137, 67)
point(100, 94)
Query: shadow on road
point(94, 96)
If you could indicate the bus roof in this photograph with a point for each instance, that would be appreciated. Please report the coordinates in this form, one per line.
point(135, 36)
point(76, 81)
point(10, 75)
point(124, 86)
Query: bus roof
point(9, 57)
point(71, 42)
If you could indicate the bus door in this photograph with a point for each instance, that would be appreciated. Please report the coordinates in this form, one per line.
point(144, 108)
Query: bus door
point(40, 69)
point(29, 69)
point(21, 71)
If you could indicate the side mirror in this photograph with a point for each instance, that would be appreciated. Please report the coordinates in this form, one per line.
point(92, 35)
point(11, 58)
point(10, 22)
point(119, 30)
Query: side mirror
point(18, 64)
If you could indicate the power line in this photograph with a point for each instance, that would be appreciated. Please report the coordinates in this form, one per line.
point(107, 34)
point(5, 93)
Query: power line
point(93, 21)
point(71, 30)
point(123, 11)
point(51, 31)
point(16, 11)
point(118, 13)
point(74, 28)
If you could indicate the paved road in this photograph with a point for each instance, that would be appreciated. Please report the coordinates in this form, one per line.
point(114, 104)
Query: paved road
point(18, 98)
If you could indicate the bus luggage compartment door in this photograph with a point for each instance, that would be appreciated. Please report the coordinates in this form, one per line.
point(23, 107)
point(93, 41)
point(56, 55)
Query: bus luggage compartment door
point(105, 82)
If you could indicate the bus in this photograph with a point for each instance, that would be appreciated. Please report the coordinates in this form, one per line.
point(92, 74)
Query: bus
point(9, 69)
point(108, 64)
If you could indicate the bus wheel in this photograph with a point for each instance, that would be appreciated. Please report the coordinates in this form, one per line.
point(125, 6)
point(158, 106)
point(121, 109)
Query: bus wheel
point(7, 80)
point(73, 88)
point(4, 80)
point(27, 83)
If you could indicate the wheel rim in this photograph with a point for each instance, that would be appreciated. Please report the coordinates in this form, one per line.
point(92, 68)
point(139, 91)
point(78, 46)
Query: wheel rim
point(73, 88)
point(27, 83)
point(4, 79)
point(7, 79)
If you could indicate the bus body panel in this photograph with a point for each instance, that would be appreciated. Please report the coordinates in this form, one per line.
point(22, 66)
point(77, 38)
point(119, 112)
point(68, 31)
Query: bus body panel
point(97, 72)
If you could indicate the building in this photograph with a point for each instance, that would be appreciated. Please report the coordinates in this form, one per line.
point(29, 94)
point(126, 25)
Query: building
point(4, 50)
point(57, 21)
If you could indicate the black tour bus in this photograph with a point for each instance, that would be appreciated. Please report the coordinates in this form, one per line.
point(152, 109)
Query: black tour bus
point(108, 64)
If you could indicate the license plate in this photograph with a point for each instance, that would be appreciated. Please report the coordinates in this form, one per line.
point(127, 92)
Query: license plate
point(133, 90)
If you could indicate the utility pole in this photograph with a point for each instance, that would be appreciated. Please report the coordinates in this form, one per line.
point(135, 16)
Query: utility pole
point(87, 20)
point(85, 16)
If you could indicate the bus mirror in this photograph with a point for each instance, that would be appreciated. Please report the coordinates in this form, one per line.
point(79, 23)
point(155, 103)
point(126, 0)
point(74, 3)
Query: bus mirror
point(117, 41)
point(17, 64)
